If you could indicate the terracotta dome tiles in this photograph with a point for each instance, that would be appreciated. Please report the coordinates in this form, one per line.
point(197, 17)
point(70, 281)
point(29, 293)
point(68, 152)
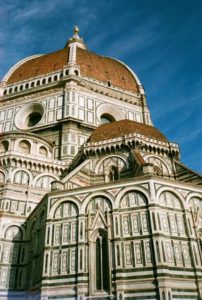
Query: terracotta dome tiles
point(124, 127)
point(97, 67)
point(106, 69)
point(40, 66)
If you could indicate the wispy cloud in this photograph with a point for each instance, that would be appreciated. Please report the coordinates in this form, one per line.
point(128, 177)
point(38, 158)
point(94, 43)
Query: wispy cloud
point(35, 9)
point(135, 40)
point(179, 104)
point(188, 135)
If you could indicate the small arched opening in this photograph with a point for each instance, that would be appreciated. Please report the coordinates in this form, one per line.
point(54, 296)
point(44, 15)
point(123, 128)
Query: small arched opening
point(43, 151)
point(114, 173)
point(24, 147)
point(4, 145)
point(102, 262)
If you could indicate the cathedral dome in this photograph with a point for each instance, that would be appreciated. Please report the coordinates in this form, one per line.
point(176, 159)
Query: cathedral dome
point(104, 69)
point(125, 127)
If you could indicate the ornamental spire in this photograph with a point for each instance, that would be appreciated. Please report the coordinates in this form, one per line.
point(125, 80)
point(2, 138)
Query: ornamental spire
point(76, 31)
point(76, 39)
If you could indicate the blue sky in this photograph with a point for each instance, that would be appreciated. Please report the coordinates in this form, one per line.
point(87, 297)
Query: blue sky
point(161, 40)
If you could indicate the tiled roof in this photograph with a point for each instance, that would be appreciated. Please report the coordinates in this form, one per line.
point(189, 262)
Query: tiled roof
point(91, 65)
point(40, 66)
point(124, 127)
point(105, 69)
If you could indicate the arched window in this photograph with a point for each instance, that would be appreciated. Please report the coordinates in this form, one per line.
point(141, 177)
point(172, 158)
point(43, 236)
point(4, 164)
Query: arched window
point(24, 147)
point(44, 182)
point(66, 209)
point(106, 118)
point(133, 199)
point(102, 263)
point(111, 168)
point(43, 151)
point(21, 177)
point(169, 199)
point(99, 202)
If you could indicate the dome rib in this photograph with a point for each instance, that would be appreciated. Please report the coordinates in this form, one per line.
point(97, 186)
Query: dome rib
point(106, 69)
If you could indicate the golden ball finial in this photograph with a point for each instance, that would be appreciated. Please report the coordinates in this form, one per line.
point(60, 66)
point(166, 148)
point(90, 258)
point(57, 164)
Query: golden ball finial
point(76, 30)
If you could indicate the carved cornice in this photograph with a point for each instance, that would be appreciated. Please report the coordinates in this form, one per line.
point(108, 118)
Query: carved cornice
point(34, 164)
point(132, 141)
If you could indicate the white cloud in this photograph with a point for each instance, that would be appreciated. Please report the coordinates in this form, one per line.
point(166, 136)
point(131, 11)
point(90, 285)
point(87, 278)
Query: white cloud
point(138, 38)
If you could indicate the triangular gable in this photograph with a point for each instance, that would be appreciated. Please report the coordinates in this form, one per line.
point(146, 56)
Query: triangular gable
point(79, 177)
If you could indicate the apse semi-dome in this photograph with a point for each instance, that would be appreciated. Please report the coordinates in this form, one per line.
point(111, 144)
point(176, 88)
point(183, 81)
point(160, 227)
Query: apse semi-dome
point(122, 128)
point(91, 65)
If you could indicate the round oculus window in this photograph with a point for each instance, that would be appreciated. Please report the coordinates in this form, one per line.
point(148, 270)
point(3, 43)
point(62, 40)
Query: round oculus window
point(106, 118)
point(29, 116)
